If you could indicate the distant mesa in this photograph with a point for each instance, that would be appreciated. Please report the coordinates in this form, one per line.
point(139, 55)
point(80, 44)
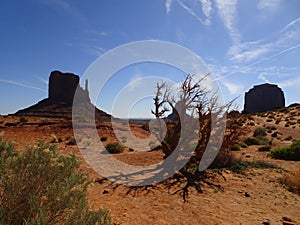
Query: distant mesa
point(61, 91)
point(264, 97)
point(62, 88)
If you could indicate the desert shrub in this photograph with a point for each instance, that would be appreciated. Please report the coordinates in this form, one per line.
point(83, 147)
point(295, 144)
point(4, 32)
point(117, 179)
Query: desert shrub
point(23, 119)
point(243, 145)
point(289, 153)
point(292, 181)
point(104, 138)
point(265, 148)
point(55, 139)
point(38, 186)
point(259, 132)
point(240, 167)
point(114, 147)
point(235, 147)
point(252, 141)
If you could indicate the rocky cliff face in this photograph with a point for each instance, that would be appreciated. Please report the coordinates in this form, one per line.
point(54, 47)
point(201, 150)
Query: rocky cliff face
point(264, 97)
point(62, 88)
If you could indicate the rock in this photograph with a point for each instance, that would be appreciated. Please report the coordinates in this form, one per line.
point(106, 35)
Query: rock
point(62, 89)
point(287, 223)
point(247, 194)
point(266, 222)
point(105, 192)
point(262, 98)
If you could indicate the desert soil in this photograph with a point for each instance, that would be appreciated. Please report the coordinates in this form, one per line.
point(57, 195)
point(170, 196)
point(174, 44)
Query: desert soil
point(249, 198)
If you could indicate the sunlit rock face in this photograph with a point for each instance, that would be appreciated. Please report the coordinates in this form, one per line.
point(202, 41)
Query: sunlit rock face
point(264, 97)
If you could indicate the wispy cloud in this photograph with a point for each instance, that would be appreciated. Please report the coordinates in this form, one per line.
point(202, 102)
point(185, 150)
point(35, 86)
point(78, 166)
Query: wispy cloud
point(248, 51)
point(45, 81)
point(22, 85)
point(168, 6)
point(287, 38)
point(92, 50)
point(270, 5)
point(239, 69)
point(98, 33)
point(64, 5)
point(227, 11)
point(291, 24)
point(295, 82)
point(233, 88)
point(194, 10)
point(207, 10)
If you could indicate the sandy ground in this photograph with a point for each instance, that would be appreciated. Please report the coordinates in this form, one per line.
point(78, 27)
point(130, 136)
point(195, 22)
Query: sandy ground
point(249, 198)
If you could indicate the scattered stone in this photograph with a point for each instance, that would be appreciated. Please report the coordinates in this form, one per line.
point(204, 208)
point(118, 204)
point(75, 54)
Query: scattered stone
point(266, 222)
point(288, 223)
point(247, 194)
point(105, 192)
point(286, 219)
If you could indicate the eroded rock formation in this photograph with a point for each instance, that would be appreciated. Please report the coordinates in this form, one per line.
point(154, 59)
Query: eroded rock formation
point(62, 89)
point(264, 97)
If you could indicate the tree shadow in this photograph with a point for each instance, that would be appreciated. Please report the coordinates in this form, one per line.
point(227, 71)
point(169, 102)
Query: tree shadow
point(181, 183)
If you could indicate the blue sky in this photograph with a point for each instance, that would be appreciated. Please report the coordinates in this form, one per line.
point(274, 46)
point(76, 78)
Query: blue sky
point(243, 43)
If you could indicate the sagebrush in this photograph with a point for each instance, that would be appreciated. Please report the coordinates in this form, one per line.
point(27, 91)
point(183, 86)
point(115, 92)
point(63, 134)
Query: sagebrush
point(39, 186)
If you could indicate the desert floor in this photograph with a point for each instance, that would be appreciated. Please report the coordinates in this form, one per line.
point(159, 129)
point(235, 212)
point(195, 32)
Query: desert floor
point(249, 198)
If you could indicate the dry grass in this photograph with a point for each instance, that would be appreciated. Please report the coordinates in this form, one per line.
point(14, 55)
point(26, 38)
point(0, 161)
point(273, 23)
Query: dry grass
point(292, 180)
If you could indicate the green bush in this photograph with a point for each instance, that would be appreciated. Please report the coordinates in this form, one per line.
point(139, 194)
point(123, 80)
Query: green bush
point(241, 166)
point(38, 186)
point(259, 140)
point(264, 148)
point(114, 147)
point(235, 147)
point(259, 132)
point(252, 141)
point(289, 153)
point(243, 145)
